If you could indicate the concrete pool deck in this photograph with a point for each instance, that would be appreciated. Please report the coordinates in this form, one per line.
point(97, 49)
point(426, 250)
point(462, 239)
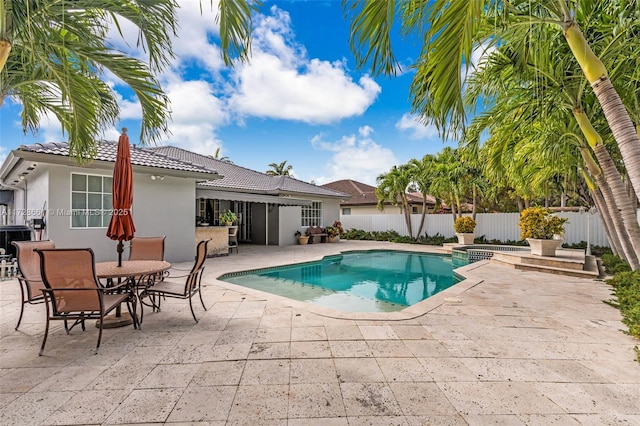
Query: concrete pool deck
point(502, 347)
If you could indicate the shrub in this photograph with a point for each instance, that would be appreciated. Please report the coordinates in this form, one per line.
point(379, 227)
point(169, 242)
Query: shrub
point(540, 223)
point(613, 264)
point(627, 291)
point(464, 225)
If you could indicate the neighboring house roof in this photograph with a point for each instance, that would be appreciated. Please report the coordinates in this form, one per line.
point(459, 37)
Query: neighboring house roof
point(238, 178)
point(106, 152)
point(431, 200)
point(364, 195)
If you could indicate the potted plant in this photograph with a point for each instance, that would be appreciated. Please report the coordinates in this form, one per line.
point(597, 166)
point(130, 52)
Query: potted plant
point(302, 239)
point(542, 230)
point(227, 217)
point(465, 229)
point(332, 234)
point(335, 231)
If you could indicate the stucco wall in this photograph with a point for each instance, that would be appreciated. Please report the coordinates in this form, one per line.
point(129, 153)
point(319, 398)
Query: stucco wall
point(164, 207)
point(289, 224)
point(290, 219)
point(370, 210)
point(330, 211)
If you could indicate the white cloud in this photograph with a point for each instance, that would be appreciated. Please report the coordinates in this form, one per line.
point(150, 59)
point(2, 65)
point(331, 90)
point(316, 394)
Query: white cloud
point(365, 131)
point(195, 29)
point(417, 130)
point(196, 114)
point(282, 83)
point(355, 157)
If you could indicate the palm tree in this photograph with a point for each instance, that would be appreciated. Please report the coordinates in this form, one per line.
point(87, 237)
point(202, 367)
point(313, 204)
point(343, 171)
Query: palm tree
point(217, 156)
point(392, 187)
point(455, 29)
point(281, 169)
point(422, 175)
point(53, 53)
point(547, 90)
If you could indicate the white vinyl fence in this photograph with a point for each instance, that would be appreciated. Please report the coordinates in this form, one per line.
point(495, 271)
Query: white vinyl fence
point(494, 226)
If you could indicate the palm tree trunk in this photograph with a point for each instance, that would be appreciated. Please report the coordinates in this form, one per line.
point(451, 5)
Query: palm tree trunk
point(622, 128)
point(607, 223)
point(475, 203)
point(407, 214)
point(424, 214)
point(607, 204)
point(622, 201)
point(5, 49)
point(618, 226)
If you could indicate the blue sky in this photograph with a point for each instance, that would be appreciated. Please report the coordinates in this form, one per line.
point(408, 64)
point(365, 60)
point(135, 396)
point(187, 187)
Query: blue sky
point(300, 99)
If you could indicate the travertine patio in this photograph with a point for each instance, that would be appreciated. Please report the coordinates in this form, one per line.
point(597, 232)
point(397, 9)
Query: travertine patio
point(503, 347)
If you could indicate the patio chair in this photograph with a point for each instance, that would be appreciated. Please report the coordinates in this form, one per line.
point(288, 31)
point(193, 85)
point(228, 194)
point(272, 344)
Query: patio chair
point(233, 238)
point(183, 289)
point(72, 291)
point(29, 277)
point(147, 248)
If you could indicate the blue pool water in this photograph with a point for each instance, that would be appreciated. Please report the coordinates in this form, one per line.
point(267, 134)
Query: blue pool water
point(371, 281)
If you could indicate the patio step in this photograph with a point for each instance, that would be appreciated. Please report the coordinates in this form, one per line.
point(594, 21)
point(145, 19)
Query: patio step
point(567, 262)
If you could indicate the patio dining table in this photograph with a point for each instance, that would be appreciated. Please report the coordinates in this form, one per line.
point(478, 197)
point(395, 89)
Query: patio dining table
point(141, 273)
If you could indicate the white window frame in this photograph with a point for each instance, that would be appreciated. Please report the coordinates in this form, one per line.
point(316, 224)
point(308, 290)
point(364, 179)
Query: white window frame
point(91, 215)
point(311, 215)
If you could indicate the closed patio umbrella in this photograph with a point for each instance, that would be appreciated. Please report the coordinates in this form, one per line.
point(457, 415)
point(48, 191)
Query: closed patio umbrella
point(121, 226)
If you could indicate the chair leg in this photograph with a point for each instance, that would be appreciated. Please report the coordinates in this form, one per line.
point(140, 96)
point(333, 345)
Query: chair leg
point(141, 313)
point(131, 307)
point(46, 332)
point(100, 333)
point(192, 312)
point(21, 312)
point(201, 301)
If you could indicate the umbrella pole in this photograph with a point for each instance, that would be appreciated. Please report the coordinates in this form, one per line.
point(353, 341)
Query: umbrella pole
point(120, 249)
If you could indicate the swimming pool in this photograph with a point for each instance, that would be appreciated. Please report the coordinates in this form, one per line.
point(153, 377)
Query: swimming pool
point(359, 281)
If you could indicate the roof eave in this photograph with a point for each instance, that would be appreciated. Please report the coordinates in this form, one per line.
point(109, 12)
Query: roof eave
point(63, 160)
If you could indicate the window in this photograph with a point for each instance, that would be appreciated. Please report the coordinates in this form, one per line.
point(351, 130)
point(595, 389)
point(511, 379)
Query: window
point(414, 209)
point(312, 215)
point(91, 201)
point(346, 211)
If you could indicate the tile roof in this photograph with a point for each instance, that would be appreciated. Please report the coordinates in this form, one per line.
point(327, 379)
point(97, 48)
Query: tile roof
point(107, 151)
point(363, 194)
point(240, 178)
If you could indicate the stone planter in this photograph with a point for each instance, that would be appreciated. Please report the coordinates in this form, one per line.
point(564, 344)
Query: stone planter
point(333, 239)
point(303, 240)
point(465, 238)
point(543, 247)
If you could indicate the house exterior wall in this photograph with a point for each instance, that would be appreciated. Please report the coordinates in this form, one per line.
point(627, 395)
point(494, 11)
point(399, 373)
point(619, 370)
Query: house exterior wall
point(290, 219)
point(159, 208)
point(373, 210)
point(289, 224)
point(27, 204)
